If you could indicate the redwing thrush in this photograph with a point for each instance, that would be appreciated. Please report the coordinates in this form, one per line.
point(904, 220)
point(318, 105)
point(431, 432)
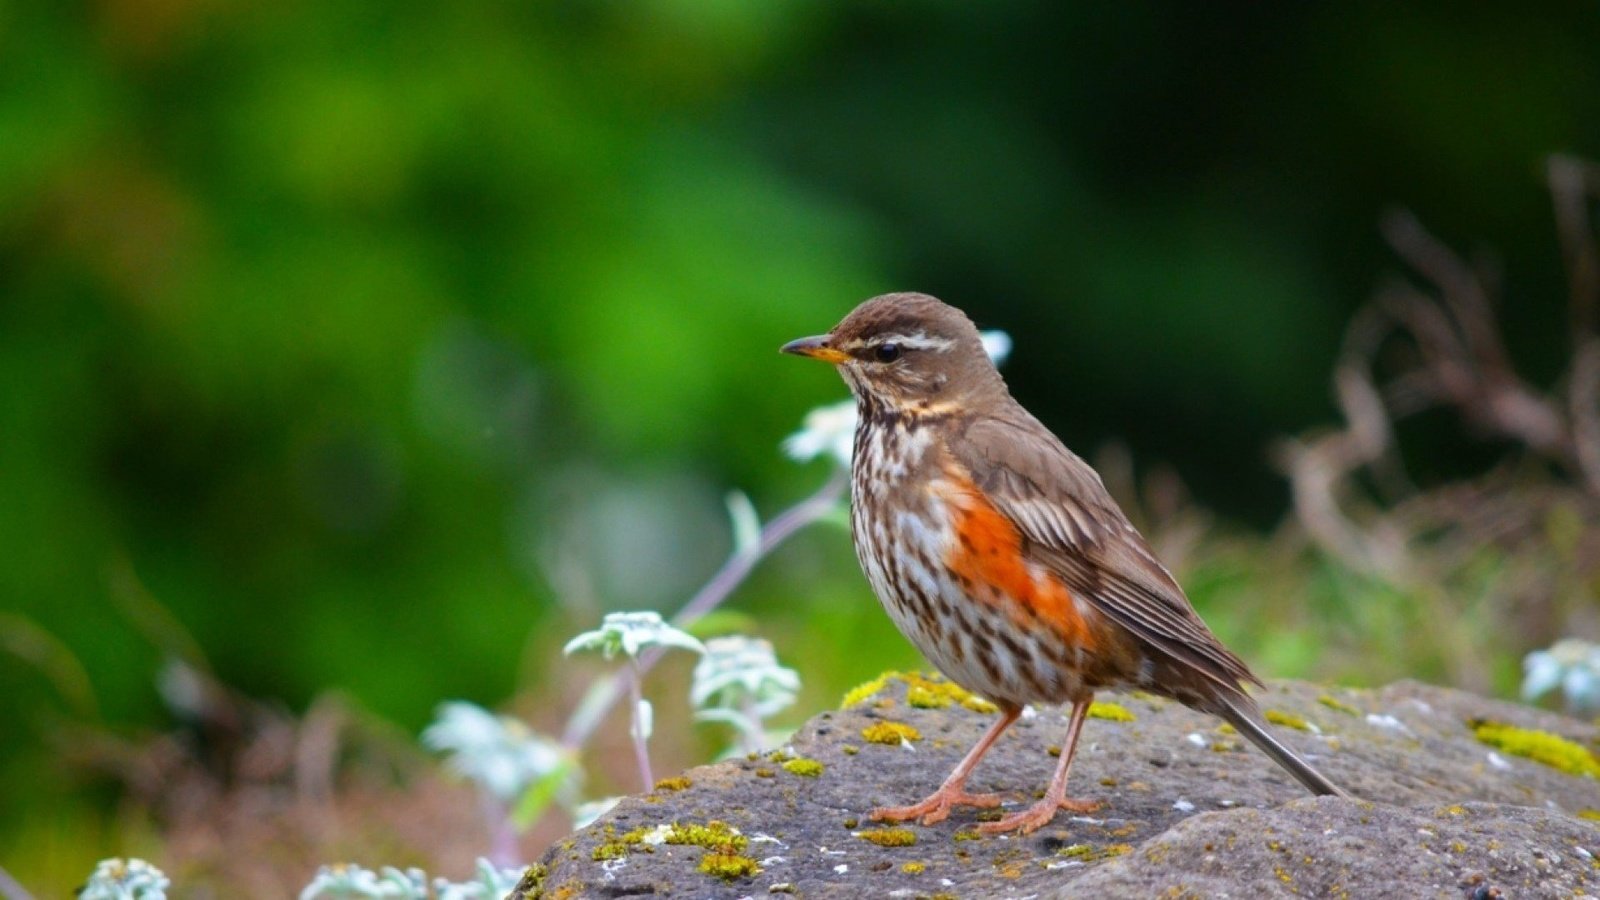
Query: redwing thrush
point(1000, 555)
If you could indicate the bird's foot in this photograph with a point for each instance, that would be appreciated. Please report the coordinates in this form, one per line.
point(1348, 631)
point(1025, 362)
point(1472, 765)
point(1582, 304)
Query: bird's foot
point(936, 808)
point(1038, 815)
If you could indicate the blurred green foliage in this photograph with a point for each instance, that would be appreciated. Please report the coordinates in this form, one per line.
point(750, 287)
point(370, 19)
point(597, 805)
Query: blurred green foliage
point(365, 340)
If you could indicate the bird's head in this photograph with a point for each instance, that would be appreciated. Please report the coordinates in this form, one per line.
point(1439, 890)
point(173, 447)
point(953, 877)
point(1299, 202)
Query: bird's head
point(906, 353)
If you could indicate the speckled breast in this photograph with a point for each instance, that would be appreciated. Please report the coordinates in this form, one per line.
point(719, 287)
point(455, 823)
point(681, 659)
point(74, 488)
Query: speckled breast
point(905, 516)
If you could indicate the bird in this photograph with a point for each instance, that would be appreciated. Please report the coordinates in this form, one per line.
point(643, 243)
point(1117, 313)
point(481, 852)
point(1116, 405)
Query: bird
point(1001, 556)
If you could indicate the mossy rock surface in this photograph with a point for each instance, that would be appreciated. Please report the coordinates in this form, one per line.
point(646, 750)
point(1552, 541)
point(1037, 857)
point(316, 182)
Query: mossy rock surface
point(1441, 812)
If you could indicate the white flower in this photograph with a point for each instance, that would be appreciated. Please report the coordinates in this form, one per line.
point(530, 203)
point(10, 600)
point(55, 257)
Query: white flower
point(831, 429)
point(1571, 664)
point(827, 429)
point(491, 882)
point(132, 879)
point(736, 670)
point(997, 344)
point(338, 882)
point(630, 632)
point(746, 524)
point(342, 880)
point(644, 720)
point(499, 753)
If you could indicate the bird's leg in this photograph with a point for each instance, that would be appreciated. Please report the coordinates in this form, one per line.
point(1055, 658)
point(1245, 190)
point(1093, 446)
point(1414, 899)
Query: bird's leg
point(1055, 798)
point(936, 808)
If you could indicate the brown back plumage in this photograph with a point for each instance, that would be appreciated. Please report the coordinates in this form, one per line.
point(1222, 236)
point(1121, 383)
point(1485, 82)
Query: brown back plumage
point(1075, 529)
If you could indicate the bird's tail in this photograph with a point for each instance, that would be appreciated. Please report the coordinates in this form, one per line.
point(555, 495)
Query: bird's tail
point(1241, 713)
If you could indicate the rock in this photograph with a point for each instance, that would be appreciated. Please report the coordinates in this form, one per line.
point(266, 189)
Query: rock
point(1453, 803)
point(1333, 848)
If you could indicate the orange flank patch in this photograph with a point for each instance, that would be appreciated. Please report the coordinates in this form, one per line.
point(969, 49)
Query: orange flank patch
point(988, 554)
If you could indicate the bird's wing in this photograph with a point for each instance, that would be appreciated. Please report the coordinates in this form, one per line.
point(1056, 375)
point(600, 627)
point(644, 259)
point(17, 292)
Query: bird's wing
point(1070, 524)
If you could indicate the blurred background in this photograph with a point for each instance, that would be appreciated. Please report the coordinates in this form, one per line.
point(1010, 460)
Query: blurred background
point(362, 353)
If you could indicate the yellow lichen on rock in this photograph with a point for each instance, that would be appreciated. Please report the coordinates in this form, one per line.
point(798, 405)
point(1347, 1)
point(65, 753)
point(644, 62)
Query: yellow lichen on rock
point(922, 691)
point(676, 783)
point(1288, 720)
point(890, 733)
point(1111, 712)
point(1335, 703)
point(1552, 750)
point(865, 690)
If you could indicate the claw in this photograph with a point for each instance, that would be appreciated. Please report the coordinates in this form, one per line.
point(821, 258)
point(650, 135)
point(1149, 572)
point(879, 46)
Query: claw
point(1038, 815)
point(936, 808)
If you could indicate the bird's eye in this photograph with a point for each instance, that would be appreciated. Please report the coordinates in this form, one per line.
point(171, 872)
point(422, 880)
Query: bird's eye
point(887, 352)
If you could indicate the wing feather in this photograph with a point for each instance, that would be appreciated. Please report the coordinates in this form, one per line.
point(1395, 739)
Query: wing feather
point(1070, 524)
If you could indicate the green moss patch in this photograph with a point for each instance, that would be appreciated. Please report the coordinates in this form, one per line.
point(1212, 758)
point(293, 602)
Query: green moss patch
point(1552, 750)
point(889, 837)
point(805, 768)
point(1090, 853)
point(729, 866)
point(609, 850)
point(719, 837)
point(618, 847)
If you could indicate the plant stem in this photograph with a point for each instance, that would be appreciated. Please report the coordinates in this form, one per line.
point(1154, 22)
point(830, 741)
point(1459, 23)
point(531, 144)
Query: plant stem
point(11, 888)
point(503, 849)
point(754, 732)
point(641, 752)
point(581, 726)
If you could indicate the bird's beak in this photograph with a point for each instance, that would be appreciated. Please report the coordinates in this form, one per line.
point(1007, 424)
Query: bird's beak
point(816, 348)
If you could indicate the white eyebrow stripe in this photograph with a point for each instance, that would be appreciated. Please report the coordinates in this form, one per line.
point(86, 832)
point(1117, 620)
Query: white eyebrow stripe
point(919, 341)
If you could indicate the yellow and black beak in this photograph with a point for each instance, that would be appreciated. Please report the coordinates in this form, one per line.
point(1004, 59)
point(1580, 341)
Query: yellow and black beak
point(816, 348)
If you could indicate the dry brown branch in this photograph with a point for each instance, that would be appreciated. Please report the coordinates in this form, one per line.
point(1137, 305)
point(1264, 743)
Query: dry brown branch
point(1160, 506)
point(1438, 344)
point(1319, 468)
point(1583, 396)
point(1464, 362)
point(1572, 183)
